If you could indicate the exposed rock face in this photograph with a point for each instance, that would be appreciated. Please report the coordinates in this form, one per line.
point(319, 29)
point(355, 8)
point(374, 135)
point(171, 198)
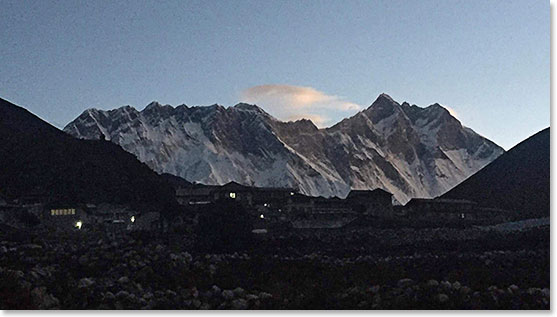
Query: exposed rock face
point(407, 150)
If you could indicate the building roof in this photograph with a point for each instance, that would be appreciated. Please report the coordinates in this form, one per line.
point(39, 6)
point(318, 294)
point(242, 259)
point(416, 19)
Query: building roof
point(238, 186)
point(368, 193)
point(440, 201)
point(197, 189)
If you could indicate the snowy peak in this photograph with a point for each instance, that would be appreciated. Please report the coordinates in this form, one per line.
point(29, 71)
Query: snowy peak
point(405, 149)
point(248, 107)
point(303, 125)
point(383, 107)
point(153, 106)
point(386, 97)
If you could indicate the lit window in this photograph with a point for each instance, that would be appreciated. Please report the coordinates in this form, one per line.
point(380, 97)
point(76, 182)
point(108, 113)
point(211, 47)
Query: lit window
point(52, 212)
point(232, 195)
point(78, 224)
point(73, 211)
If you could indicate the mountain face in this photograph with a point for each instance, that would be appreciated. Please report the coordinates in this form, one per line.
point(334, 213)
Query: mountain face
point(518, 180)
point(406, 150)
point(38, 159)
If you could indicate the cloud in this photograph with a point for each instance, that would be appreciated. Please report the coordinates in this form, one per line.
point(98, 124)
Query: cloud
point(288, 103)
point(318, 120)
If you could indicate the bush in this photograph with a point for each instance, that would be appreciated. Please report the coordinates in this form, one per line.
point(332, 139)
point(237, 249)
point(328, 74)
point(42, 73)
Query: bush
point(224, 226)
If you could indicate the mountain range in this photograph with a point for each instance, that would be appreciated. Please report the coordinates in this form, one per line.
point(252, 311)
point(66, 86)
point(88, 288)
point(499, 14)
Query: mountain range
point(407, 150)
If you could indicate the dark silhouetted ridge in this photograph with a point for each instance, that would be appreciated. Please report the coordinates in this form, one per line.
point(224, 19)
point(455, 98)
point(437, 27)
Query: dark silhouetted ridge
point(518, 180)
point(36, 158)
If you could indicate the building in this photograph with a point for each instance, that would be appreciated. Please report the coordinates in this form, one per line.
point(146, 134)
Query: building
point(110, 213)
point(248, 196)
point(452, 210)
point(273, 197)
point(102, 216)
point(232, 190)
point(376, 203)
point(65, 215)
point(318, 212)
point(285, 205)
point(196, 194)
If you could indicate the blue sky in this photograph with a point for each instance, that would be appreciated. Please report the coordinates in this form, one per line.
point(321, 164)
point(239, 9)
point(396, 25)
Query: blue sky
point(486, 60)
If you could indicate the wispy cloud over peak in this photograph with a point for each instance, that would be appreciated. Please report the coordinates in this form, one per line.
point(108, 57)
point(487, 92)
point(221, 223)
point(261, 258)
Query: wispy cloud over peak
point(288, 102)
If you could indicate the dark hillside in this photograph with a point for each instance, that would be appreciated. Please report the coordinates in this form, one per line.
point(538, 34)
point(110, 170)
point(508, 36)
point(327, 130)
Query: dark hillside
point(35, 157)
point(517, 180)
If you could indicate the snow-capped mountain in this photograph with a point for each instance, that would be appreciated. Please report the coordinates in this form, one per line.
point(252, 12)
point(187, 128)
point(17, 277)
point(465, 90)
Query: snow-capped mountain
point(405, 149)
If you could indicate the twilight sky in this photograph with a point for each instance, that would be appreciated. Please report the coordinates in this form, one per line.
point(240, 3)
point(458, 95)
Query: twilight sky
point(488, 61)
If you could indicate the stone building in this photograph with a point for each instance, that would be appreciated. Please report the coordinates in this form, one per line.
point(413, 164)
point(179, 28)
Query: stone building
point(246, 195)
point(318, 212)
point(453, 210)
point(196, 194)
point(376, 203)
point(65, 215)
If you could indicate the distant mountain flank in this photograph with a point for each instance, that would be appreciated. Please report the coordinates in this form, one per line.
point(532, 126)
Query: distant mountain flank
point(39, 160)
point(405, 149)
point(518, 180)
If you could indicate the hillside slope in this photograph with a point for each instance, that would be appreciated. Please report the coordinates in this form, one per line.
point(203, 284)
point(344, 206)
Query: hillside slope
point(518, 180)
point(35, 157)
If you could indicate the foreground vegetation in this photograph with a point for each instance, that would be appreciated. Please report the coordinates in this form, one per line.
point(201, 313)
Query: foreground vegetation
point(359, 268)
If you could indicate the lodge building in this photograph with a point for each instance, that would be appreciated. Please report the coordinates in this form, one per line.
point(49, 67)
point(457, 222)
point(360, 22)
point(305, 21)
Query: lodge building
point(287, 205)
point(453, 210)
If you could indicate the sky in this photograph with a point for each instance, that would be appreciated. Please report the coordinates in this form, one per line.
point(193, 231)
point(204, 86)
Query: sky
point(487, 61)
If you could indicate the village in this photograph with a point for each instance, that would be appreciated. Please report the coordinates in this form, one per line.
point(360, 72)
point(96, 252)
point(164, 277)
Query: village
point(267, 207)
point(361, 251)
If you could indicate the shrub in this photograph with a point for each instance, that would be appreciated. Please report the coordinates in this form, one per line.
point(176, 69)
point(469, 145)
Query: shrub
point(224, 226)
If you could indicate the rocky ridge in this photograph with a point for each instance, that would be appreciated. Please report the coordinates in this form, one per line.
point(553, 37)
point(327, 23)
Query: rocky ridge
point(405, 149)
